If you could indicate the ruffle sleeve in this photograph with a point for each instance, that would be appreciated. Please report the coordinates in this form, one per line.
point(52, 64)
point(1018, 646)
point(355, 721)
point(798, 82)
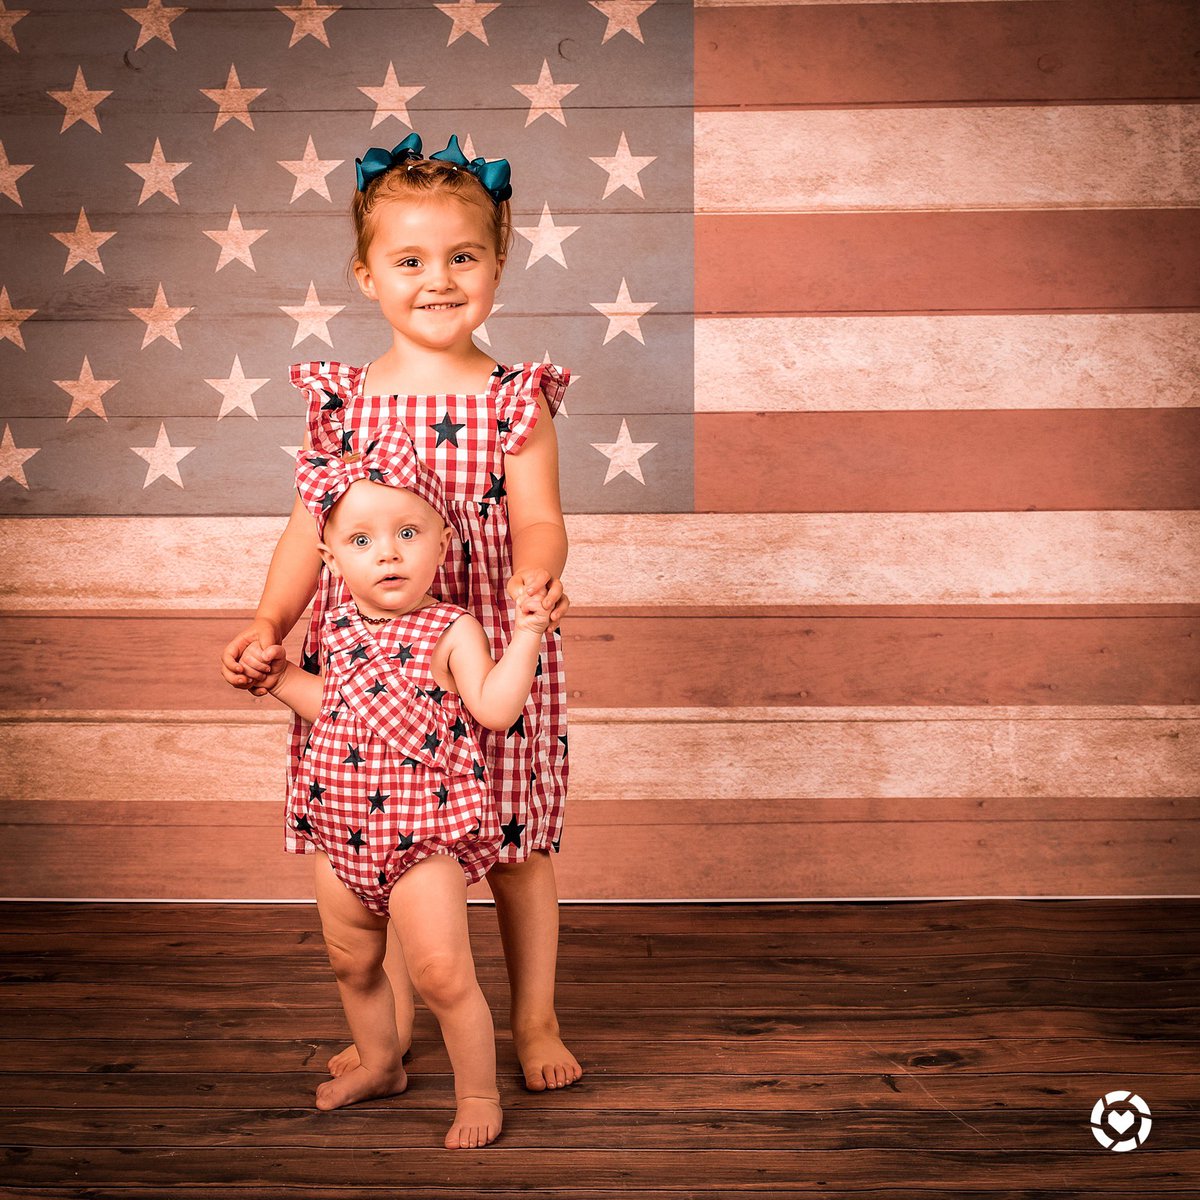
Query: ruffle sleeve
point(516, 405)
point(326, 388)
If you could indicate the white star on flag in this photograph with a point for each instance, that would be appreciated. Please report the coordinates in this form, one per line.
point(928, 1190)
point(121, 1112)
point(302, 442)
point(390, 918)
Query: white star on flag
point(84, 244)
point(162, 457)
point(312, 317)
point(80, 103)
point(624, 314)
point(481, 333)
point(468, 17)
point(291, 451)
point(545, 97)
point(309, 20)
point(622, 16)
point(237, 391)
point(235, 241)
point(9, 174)
point(233, 101)
point(391, 100)
point(7, 21)
point(161, 320)
point(310, 172)
point(155, 22)
point(12, 459)
point(623, 169)
point(623, 455)
point(11, 318)
point(158, 175)
point(546, 238)
point(86, 392)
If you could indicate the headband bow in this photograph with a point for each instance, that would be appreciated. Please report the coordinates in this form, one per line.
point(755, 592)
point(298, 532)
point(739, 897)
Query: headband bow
point(322, 478)
point(494, 176)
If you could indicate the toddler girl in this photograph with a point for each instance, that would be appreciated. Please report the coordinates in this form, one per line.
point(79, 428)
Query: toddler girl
point(390, 789)
point(432, 236)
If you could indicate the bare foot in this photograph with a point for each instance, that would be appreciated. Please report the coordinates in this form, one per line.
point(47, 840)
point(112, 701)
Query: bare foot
point(347, 1060)
point(547, 1063)
point(476, 1123)
point(360, 1084)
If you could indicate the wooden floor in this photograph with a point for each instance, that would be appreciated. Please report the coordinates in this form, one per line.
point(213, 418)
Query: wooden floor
point(927, 1049)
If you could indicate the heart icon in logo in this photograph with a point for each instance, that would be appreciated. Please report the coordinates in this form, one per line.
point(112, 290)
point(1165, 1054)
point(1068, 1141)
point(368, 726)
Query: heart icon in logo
point(1121, 1121)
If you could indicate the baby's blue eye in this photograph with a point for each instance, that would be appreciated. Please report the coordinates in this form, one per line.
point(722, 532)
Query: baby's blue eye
point(360, 539)
point(408, 534)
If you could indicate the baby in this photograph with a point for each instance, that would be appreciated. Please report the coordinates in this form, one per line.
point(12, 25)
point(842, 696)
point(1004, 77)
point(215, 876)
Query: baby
point(391, 787)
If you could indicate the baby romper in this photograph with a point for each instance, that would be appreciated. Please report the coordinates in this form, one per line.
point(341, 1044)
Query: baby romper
point(391, 771)
point(464, 439)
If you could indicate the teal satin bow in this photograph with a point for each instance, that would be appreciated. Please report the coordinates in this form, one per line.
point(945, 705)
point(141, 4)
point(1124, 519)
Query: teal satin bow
point(493, 175)
point(377, 160)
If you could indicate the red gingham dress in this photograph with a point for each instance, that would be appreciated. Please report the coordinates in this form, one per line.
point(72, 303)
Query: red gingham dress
point(464, 439)
point(391, 771)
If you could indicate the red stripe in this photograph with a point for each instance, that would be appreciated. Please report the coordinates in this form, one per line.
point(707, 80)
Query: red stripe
point(847, 54)
point(949, 461)
point(948, 262)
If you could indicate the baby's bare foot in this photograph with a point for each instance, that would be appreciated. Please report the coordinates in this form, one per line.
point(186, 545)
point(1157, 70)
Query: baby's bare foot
point(347, 1060)
point(547, 1063)
point(476, 1123)
point(359, 1083)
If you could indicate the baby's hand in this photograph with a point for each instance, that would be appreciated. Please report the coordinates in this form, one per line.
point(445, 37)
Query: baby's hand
point(537, 579)
point(532, 613)
point(267, 665)
point(233, 660)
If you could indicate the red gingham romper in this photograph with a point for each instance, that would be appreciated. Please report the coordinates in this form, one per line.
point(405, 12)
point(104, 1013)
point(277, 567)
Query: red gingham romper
point(391, 771)
point(464, 439)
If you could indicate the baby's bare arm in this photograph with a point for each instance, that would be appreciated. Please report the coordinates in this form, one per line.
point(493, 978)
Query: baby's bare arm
point(495, 692)
point(300, 690)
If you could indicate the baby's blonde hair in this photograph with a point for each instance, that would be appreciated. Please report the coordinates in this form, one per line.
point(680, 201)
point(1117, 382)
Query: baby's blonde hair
point(418, 179)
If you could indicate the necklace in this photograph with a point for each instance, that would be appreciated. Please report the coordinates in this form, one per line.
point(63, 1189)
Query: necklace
point(371, 620)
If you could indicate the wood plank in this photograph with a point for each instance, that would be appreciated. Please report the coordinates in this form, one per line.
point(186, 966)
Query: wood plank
point(947, 361)
point(913, 858)
point(797, 755)
point(134, 663)
point(85, 564)
point(897, 159)
point(1014, 51)
point(926, 262)
point(619, 1054)
point(561, 1127)
point(897, 461)
point(756, 1171)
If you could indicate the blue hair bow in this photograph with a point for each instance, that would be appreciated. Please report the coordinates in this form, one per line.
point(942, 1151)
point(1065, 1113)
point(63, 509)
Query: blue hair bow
point(377, 160)
point(493, 175)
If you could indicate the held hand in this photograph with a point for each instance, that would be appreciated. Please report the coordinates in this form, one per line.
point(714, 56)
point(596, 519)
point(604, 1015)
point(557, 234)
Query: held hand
point(271, 662)
point(536, 579)
point(233, 669)
point(531, 614)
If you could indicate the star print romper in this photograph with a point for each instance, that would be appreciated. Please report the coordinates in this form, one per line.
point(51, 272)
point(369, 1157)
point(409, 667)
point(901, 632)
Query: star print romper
point(464, 440)
point(391, 771)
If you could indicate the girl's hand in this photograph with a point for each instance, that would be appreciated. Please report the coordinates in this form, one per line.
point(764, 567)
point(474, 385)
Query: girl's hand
point(271, 663)
point(535, 579)
point(532, 614)
point(233, 667)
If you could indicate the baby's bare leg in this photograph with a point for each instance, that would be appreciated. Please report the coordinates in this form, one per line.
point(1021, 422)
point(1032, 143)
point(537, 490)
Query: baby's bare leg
point(429, 910)
point(355, 939)
point(397, 972)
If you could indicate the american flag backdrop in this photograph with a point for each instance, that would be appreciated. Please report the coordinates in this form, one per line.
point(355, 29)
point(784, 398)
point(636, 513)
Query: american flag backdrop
point(879, 468)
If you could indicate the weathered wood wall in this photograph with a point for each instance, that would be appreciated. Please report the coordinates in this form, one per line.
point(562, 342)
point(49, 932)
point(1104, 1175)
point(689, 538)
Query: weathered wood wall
point(931, 628)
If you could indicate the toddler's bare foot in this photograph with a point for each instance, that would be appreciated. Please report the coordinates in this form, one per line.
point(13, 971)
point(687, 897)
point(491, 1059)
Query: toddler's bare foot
point(547, 1063)
point(347, 1060)
point(476, 1123)
point(359, 1083)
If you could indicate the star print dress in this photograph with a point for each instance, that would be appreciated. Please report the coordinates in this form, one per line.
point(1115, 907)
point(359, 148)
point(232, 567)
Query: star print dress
point(464, 439)
point(391, 771)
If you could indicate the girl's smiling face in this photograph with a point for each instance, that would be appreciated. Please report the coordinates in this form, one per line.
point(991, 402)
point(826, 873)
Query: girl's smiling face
point(387, 544)
point(433, 269)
